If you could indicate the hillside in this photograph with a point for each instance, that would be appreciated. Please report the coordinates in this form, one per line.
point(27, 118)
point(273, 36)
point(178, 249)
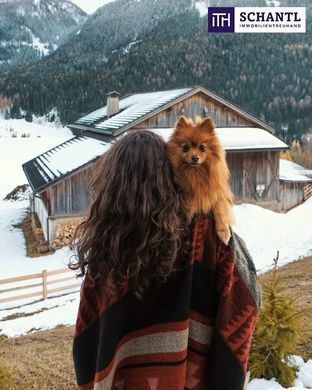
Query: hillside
point(133, 46)
point(32, 29)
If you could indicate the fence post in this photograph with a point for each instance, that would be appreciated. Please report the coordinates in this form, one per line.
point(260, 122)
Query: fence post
point(44, 284)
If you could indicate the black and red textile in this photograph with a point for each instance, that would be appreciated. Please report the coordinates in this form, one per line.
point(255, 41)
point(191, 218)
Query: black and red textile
point(192, 332)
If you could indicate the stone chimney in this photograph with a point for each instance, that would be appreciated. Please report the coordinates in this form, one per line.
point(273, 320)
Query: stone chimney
point(112, 103)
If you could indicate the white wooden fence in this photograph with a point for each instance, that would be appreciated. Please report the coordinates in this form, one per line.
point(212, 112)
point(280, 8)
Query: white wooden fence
point(42, 286)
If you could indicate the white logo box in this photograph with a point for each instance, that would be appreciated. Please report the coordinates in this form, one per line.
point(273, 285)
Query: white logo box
point(270, 20)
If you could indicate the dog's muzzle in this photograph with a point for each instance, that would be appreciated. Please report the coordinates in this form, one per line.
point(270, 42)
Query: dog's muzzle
point(194, 159)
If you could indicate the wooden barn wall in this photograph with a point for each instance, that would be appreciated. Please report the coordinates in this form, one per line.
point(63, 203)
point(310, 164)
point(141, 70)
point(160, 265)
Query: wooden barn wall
point(70, 197)
point(251, 168)
point(291, 194)
point(200, 105)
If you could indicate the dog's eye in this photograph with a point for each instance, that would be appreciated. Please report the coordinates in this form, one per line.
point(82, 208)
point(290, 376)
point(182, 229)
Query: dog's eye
point(202, 148)
point(185, 147)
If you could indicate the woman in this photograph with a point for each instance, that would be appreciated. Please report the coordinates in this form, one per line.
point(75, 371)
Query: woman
point(163, 305)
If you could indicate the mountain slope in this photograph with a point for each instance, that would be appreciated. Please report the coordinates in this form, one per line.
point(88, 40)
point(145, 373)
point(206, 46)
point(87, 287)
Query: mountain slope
point(31, 29)
point(270, 75)
point(116, 25)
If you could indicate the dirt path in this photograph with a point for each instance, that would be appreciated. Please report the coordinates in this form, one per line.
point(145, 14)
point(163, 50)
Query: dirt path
point(43, 359)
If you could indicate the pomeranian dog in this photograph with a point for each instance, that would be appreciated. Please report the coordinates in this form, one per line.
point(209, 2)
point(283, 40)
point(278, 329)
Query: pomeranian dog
point(200, 168)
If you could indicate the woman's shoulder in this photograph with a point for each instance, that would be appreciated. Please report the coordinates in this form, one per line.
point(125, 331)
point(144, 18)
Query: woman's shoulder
point(205, 241)
point(203, 225)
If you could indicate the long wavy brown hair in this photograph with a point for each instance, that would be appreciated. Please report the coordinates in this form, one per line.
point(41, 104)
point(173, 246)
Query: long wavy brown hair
point(135, 224)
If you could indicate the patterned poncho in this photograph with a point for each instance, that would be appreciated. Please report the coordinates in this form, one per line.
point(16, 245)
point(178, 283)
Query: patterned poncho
point(192, 332)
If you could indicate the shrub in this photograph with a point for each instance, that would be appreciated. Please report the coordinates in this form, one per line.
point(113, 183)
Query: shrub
point(276, 336)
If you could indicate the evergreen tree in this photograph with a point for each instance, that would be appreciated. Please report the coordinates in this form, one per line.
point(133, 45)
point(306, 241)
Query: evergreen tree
point(7, 114)
point(28, 117)
point(276, 335)
point(15, 112)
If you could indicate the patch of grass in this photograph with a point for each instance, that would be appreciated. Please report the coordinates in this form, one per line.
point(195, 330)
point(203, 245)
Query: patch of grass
point(8, 377)
point(42, 359)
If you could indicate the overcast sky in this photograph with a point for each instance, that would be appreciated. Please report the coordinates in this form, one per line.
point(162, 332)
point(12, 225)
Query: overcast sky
point(90, 6)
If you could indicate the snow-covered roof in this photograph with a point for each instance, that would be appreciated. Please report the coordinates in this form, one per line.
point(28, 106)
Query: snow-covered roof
point(73, 154)
point(290, 171)
point(62, 160)
point(131, 108)
point(137, 107)
point(240, 138)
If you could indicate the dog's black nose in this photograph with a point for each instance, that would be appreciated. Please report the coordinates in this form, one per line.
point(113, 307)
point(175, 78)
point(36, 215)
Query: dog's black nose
point(195, 158)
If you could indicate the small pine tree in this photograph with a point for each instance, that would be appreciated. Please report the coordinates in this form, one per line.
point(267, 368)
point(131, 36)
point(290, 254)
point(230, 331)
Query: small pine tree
point(7, 114)
point(28, 117)
point(15, 111)
point(276, 336)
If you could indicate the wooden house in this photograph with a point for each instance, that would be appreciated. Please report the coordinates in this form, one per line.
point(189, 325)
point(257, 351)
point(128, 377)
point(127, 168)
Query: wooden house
point(59, 177)
point(295, 184)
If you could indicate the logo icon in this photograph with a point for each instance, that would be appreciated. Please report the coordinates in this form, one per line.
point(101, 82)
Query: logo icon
point(221, 19)
point(256, 19)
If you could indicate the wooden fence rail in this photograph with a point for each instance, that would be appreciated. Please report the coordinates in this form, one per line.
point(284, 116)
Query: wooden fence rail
point(44, 283)
point(307, 191)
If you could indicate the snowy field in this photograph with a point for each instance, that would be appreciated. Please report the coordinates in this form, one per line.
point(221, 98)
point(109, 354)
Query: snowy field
point(15, 149)
point(21, 141)
point(265, 232)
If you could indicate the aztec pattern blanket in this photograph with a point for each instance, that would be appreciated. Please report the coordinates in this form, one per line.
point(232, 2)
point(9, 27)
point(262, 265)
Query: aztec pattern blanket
point(193, 332)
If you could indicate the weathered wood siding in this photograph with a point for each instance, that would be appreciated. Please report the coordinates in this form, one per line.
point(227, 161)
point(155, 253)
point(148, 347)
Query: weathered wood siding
point(42, 212)
point(291, 194)
point(200, 105)
point(251, 168)
point(70, 197)
point(307, 191)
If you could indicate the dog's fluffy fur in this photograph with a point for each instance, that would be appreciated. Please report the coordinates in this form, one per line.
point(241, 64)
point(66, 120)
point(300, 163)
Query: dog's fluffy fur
point(201, 171)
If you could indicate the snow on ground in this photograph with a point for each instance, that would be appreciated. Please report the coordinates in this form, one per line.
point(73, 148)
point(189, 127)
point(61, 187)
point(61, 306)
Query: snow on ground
point(15, 149)
point(40, 315)
point(266, 232)
point(291, 171)
point(129, 46)
point(36, 43)
point(303, 380)
point(12, 245)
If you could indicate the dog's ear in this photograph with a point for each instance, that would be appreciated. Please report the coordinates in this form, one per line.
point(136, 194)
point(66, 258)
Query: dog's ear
point(182, 123)
point(207, 124)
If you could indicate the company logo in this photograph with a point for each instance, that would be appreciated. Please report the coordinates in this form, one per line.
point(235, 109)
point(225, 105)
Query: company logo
point(221, 19)
point(257, 19)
